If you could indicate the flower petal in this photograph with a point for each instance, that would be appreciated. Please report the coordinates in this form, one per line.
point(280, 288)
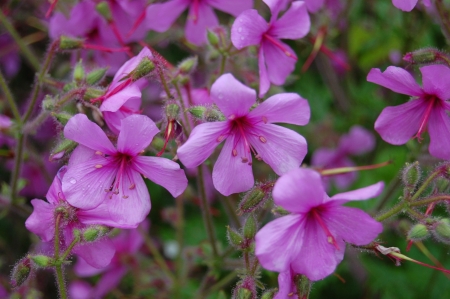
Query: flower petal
point(439, 130)
point(160, 16)
point(201, 143)
point(283, 149)
point(342, 222)
point(436, 80)
point(130, 65)
point(80, 129)
point(396, 79)
point(264, 82)
point(276, 6)
point(317, 258)
point(285, 285)
point(230, 175)
point(279, 242)
point(279, 65)
point(234, 8)
point(83, 269)
point(299, 190)
point(314, 5)
point(283, 108)
point(136, 134)
point(41, 221)
point(396, 125)
point(84, 183)
point(199, 21)
point(55, 194)
point(294, 23)
point(101, 215)
point(231, 96)
point(114, 119)
point(109, 281)
point(405, 5)
point(359, 194)
point(247, 29)
point(357, 141)
point(114, 102)
point(163, 172)
point(98, 254)
point(132, 203)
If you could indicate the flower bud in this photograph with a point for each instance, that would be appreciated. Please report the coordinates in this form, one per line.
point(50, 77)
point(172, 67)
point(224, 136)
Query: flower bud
point(251, 200)
point(411, 175)
point(197, 111)
point(243, 293)
point(269, 294)
point(172, 111)
point(67, 43)
point(213, 39)
point(94, 233)
point(418, 232)
point(188, 65)
point(303, 285)
point(442, 230)
point(20, 272)
point(48, 104)
point(145, 67)
point(62, 117)
point(250, 227)
point(78, 72)
point(42, 261)
point(64, 146)
point(221, 295)
point(157, 143)
point(213, 114)
point(234, 237)
point(427, 56)
point(103, 9)
point(92, 93)
point(95, 76)
point(279, 211)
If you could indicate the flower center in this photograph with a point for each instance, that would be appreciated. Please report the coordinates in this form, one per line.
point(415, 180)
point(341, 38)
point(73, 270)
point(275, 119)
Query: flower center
point(330, 237)
point(431, 103)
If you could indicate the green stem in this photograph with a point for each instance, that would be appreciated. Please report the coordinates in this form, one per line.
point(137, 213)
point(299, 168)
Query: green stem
point(425, 184)
point(17, 167)
point(180, 241)
point(58, 266)
point(394, 211)
point(205, 212)
point(29, 55)
point(69, 249)
point(247, 261)
point(164, 82)
point(222, 64)
point(10, 98)
point(231, 211)
point(443, 15)
point(183, 107)
point(414, 214)
point(157, 256)
point(429, 200)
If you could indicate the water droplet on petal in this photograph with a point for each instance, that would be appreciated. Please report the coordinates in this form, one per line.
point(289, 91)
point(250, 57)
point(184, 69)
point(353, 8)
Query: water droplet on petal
point(73, 181)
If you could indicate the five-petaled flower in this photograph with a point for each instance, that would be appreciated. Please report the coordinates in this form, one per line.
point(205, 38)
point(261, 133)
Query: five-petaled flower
point(310, 241)
point(98, 172)
point(428, 108)
point(247, 132)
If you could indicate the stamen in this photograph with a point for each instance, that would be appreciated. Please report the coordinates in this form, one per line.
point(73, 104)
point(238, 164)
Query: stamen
point(220, 138)
point(425, 118)
point(262, 139)
point(99, 153)
point(232, 117)
point(330, 238)
point(278, 44)
point(264, 119)
point(98, 166)
point(234, 152)
point(132, 186)
point(244, 159)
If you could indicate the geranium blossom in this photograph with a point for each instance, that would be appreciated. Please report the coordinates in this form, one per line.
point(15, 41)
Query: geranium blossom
point(161, 16)
point(408, 5)
point(310, 240)
point(427, 109)
point(42, 222)
point(99, 172)
point(247, 132)
point(276, 60)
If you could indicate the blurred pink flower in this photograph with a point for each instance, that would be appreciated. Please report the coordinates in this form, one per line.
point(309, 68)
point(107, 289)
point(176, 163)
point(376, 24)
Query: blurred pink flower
point(310, 240)
point(428, 107)
point(98, 172)
point(357, 142)
point(161, 16)
point(247, 132)
point(408, 5)
point(276, 60)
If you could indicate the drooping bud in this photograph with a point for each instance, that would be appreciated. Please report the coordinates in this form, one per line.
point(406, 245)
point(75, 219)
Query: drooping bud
point(20, 272)
point(103, 9)
point(234, 237)
point(197, 111)
point(418, 232)
point(250, 227)
point(188, 65)
point(303, 285)
point(78, 72)
point(68, 43)
point(42, 261)
point(442, 230)
point(427, 56)
point(213, 39)
point(95, 76)
point(269, 294)
point(411, 176)
point(63, 147)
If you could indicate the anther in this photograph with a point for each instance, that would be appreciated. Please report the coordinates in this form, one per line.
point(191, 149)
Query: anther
point(234, 153)
point(244, 159)
point(99, 153)
point(116, 191)
point(132, 186)
point(232, 117)
point(125, 196)
point(264, 119)
point(220, 138)
point(98, 166)
point(262, 139)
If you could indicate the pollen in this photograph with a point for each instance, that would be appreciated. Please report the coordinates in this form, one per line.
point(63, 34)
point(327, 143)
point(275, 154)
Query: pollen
point(330, 240)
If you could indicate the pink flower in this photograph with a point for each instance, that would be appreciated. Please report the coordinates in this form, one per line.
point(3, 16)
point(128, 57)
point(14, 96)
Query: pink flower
point(276, 60)
point(246, 132)
point(357, 142)
point(310, 240)
point(408, 5)
point(428, 107)
point(161, 16)
point(98, 172)
point(42, 222)
point(123, 97)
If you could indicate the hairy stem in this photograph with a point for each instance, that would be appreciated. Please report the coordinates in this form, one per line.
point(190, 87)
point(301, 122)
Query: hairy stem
point(10, 98)
point(58, 266)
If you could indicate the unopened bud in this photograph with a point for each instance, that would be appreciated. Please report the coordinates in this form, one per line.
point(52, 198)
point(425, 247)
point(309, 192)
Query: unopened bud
point(212, 114)
point(234, 237)
point(78, 72)
point(48, 104)
point(92, 93)
point(427, 56)
point(269, 294)
point(411, 175)
point(188, 65)
point(93, 233)
point(250, 227)
point(213, 39)
point(303, 285)
point(243, 293)
point(95, 76)
point(62, 117)
point(157, 143)
point(279, 211)
point(418, 232)
point(42, 261)
point(197, 111)
point(252, 200)
point(69, 86)
point(64, 146)
point(172, 111)
point(67, 43)
point(103, 9)
point(442, 230)
point(20, 272)
point(145, 67)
